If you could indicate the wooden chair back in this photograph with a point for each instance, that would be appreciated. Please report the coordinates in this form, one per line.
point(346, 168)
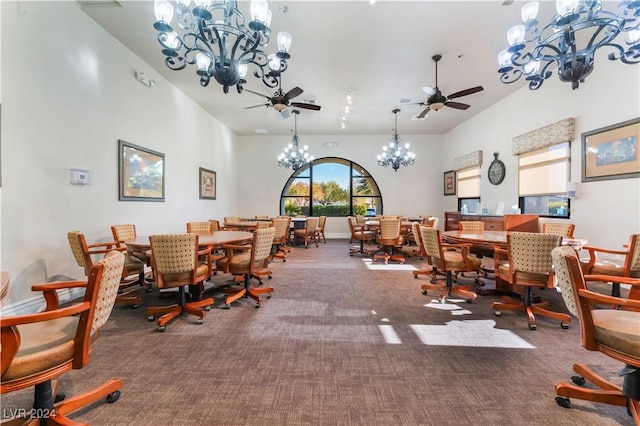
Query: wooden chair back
point(175, 260)
point(471, 226)
point(200, 227)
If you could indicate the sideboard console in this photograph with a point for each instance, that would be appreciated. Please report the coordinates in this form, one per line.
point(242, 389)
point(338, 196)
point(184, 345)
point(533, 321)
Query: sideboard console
point(508, 222)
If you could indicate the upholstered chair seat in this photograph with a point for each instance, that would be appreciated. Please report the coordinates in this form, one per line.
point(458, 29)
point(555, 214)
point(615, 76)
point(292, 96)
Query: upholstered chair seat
point(38, 348)
point(609, 325)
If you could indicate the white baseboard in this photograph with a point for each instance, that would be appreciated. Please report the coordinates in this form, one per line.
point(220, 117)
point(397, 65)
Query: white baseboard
point(38, 304)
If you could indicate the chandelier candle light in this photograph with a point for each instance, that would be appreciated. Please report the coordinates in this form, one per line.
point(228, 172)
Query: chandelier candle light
point(570, 40)
point(294, 156)
point(392, 155)
point(214, 37)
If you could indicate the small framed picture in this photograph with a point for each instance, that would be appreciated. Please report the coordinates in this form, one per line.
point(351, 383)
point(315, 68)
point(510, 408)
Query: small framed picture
point(207, 184)
point(450, 182)
point(611, 152)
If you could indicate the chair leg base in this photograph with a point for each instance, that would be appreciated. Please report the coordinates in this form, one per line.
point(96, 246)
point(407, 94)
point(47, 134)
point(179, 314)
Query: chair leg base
point(608, 392)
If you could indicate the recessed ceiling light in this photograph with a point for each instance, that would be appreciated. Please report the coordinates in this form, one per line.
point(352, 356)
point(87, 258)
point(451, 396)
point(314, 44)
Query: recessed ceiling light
point(330, 144)
point(260, 131)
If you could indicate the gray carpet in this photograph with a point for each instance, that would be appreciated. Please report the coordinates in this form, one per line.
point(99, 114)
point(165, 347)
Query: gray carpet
point(341, 342)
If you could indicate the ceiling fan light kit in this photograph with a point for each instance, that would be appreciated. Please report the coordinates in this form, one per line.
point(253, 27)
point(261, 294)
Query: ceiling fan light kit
point(570, 40)
point(436, 100)
point(214, 37)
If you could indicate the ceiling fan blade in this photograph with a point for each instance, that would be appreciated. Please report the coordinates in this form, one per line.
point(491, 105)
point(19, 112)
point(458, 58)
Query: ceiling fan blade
point(423, 113)
point(256, 93)
point(466, 92)
point(306, 106)
point(296, 91)
point(285, 113)
point(429, 90)
point(256, 106)
point(457, 105)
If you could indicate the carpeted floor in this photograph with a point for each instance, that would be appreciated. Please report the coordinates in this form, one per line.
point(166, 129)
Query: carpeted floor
point(341, 342)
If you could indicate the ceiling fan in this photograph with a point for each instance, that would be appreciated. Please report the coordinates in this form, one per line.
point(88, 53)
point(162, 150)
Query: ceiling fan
point(436, 100)
point(281, 100)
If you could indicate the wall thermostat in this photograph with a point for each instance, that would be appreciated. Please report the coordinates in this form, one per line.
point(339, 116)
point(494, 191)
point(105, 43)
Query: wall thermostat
point(80, 176)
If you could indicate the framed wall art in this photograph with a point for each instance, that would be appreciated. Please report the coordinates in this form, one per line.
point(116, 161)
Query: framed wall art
point(207, 184)
point(611, 152)
point(140, 172)
point(450, 182)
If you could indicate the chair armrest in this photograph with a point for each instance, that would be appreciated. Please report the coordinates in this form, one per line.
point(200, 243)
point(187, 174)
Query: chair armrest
point(236, 247)
point(44, 316)
point(604, 250)
point(204, 251)
point(51, 295)
point(610, 300)
point(635, 282)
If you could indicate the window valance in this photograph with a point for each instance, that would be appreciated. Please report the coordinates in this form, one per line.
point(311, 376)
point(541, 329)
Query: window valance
point(553, 134)
point(469, 160)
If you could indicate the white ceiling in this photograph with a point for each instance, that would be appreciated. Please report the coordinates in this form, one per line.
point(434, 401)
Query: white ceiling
point(382, 52)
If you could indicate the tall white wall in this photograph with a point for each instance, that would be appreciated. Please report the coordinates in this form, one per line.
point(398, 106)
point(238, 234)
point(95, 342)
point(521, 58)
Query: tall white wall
point(410, 191)
point(605, 212)
point(69, 94)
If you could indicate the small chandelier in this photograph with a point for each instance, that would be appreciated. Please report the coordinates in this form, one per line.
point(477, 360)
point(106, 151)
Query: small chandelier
point(395, 157)
point(215, 38)
point(294, 156)
point(577, 22)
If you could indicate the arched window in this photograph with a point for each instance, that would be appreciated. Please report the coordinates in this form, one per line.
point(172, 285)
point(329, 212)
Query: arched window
point(331, 186)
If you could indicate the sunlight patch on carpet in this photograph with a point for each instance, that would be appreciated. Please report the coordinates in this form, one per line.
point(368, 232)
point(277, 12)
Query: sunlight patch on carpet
point(470, 333)
point(389, 334)
point(380, 266)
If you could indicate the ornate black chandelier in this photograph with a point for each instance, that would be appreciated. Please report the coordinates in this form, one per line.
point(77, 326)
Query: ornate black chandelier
point(213, 36)
point(570, 40)
point(294, 156)
point(393, 155)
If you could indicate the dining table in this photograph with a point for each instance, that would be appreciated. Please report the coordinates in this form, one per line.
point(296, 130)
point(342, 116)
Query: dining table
point(214, 239)
point(243, 225)
point(484, 243)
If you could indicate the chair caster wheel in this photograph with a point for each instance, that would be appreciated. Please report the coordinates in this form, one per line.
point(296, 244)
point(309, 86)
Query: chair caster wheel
point(497, 313)
point(469, 301)
point(227, 306)
point(564, 326)
point(532, 327)
point(136, 306)
point(207, 308)
point(151, 318)
point(563, 402)
point(578, 380)
point(113, 397)
point(268, 296)
point(270, 276)
point(148, 290)
point(424, 292)
point(200, 321)
point(59, 397)
point(162, 328)
point(257, 305)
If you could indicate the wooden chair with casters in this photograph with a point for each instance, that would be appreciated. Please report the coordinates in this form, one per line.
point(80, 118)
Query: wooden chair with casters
point(178, 262)
point(616, 263)
point(559, 228)
point(308, 232)
point(38, 348)
point(448, 259)
point(247, 261)
point(279, 247)
point(528, 265)
point(322, 221)
point(215, 225)
point(230, 219)
point(200, 227)
point(124, 232)
point(360, 233)
point(132, 272)
point(612, 332)
point(391, 240)
point(471, 226)
point(415, 232)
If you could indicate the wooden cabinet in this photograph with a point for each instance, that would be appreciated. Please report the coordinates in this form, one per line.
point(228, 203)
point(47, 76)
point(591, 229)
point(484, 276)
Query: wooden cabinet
point(509, 222)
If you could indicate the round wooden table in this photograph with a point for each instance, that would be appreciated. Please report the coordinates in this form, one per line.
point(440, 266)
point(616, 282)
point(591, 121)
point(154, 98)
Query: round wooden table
point(215, 239)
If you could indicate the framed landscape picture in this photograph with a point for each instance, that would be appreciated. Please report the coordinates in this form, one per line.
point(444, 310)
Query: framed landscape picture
point(450, 182)
point(140, 173)
point(207, 184)
point(611, 152)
